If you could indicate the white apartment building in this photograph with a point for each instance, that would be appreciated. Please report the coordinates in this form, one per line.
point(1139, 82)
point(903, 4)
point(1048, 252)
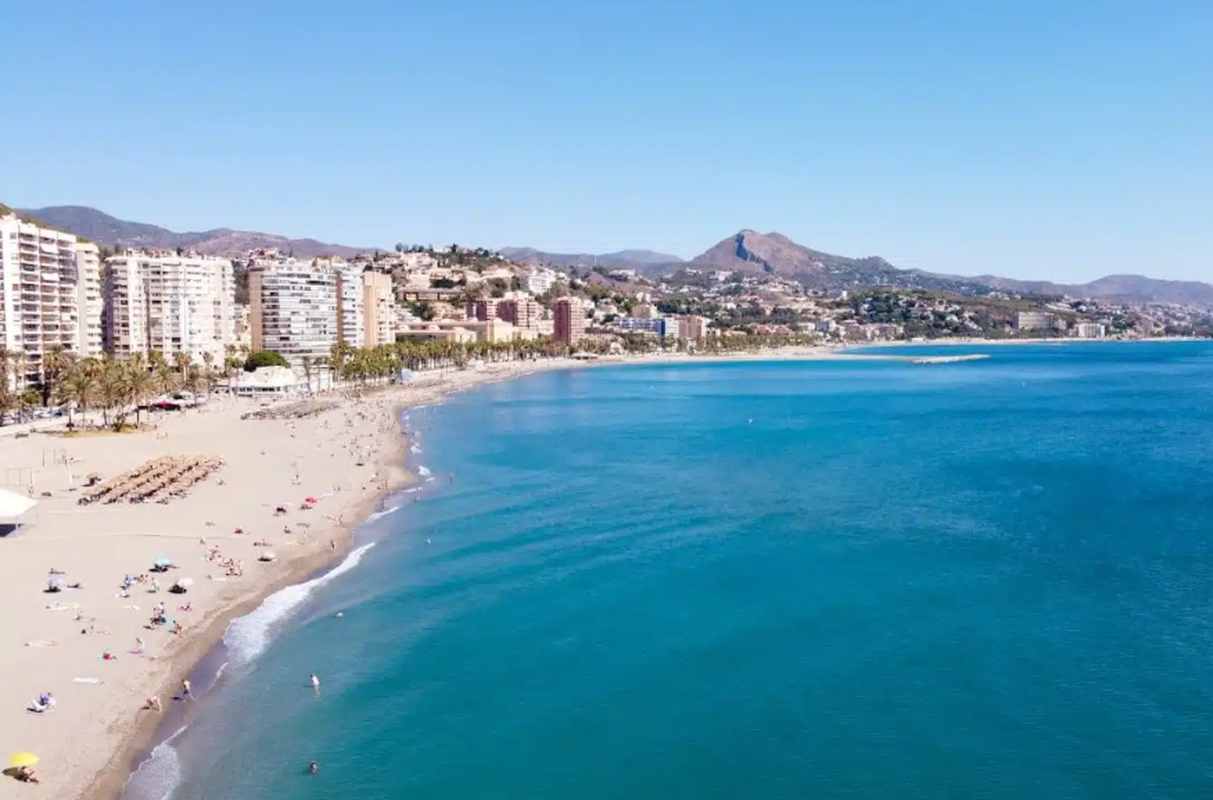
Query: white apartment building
point(1090, 330)
point(293, 309)
point(350, 310)
point(540, 281)
point(168, 303)
point(39, 296)
point(89, 301)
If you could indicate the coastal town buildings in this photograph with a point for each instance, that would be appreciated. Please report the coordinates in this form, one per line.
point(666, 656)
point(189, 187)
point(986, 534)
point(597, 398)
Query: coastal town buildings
point(292, 309)
point(170, 304)
point(1090, 330)
point(41, 297)
point(524, 312)
point(1033, 321)
point(568, 314)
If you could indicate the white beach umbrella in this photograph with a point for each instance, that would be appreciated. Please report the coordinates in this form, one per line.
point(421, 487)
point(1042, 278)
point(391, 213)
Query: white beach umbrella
point(13, 505)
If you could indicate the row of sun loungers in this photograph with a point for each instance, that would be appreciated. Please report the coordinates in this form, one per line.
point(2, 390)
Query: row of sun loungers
point(158, 480)
point(297, 410)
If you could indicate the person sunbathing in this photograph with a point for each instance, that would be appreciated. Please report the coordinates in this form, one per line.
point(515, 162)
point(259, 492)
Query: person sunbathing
point(43, 703)
point(27, 775)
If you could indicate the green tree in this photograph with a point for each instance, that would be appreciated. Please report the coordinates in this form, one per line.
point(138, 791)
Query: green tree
point(265, 358)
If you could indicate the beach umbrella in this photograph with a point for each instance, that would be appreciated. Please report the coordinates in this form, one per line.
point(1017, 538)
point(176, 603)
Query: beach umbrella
point(22, 760)
point(268, 555)
point(185, 583)
point(13, 505)
point(310, 500)
point(55, 583)
point(162, 562)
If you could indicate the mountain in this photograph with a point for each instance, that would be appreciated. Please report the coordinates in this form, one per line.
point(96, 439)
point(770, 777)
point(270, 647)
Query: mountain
point(774, 253)
point(750, 251)
point(618, 260)
point(1125, 288)
point(104, 229)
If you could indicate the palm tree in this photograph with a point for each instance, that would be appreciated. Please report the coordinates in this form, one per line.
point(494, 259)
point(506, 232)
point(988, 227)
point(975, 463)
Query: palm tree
point(208, 360)
point(7, 396)
point(78, 385)
point(55, 365)
point(181, 360)
point(307, 371)
point(140, 384)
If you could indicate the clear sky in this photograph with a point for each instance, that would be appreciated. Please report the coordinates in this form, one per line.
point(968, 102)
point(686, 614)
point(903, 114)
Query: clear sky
point(1060, 140)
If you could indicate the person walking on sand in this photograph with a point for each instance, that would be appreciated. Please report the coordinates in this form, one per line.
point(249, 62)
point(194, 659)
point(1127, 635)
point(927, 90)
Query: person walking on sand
point(186, 691)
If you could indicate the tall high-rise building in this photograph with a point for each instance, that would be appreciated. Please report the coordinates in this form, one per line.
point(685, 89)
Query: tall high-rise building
point(39, 296)
point(293, 309)
point(378, 309)
point(695, 327)
point(170, 304)
point(351, 320)
point(89, 301)
point(569, 318)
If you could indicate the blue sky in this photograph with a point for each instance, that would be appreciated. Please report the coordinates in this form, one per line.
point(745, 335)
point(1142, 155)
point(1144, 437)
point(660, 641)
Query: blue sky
point(1021, 138)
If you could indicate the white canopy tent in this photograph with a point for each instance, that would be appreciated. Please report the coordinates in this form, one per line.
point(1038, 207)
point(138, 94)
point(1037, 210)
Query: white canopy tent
point(13, 505)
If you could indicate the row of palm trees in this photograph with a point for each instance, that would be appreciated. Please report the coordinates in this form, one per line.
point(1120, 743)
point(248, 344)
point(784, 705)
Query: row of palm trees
point(119, 387)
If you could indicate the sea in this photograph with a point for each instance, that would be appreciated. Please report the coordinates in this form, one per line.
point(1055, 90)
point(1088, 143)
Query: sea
point(766, 579)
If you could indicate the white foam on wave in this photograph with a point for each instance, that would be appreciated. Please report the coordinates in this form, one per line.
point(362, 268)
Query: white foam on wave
point(248, 636)
point(219, 674)
point(158, 775)
point(415, 449)
point(423, 470)
point(383, 513)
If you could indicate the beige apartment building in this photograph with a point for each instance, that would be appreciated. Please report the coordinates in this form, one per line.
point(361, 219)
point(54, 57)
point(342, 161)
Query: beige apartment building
point(40, 296)
point(170, 304)
point(378, 309)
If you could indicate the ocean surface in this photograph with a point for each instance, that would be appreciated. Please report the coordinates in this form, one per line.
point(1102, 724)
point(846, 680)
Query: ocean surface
point(990, 579)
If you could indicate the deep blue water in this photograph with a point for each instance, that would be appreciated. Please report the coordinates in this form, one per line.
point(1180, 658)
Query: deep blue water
point(779, 580)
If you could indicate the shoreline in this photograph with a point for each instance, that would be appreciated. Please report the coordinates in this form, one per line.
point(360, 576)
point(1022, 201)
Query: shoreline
point(111, 782)
point(133, 739)
point(137, 746)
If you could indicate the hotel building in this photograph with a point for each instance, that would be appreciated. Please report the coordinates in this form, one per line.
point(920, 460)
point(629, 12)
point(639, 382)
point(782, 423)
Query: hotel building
point(351, 321)
point(40, 296)
point(569, 318)
point(378, 309)
point(169, 304)
point(293, 309)
point(89, 300)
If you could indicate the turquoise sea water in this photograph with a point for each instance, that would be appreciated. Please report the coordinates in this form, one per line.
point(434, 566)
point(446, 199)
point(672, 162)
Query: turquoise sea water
point(781, 580)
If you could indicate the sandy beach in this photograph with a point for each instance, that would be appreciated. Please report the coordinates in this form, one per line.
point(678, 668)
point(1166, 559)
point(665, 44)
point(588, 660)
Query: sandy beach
point(347, 457)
